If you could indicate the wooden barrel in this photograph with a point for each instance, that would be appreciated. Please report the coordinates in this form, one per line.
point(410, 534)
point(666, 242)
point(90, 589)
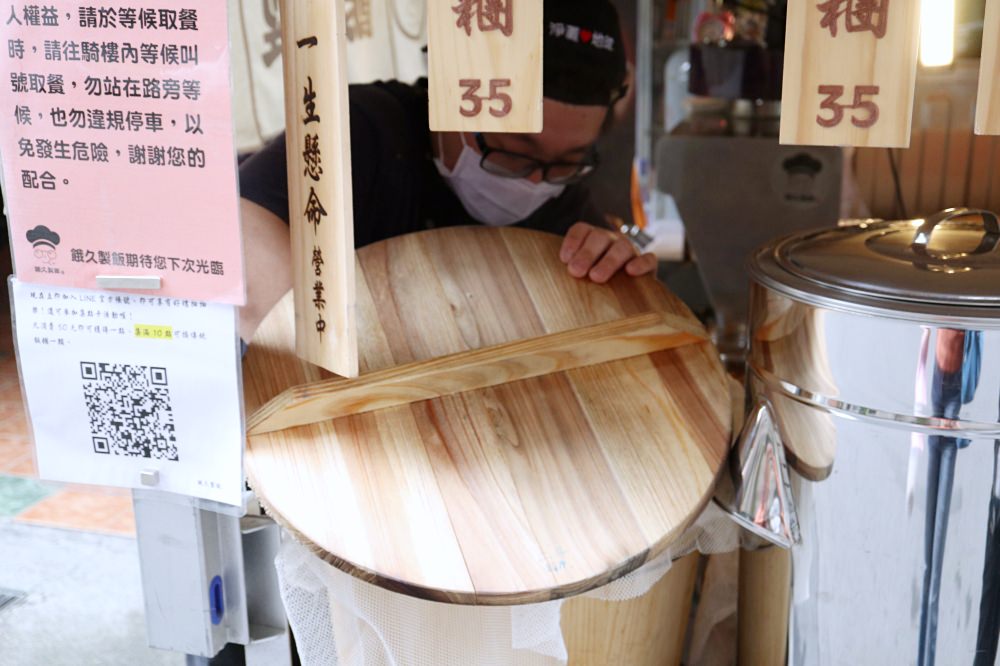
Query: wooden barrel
point(523, 492)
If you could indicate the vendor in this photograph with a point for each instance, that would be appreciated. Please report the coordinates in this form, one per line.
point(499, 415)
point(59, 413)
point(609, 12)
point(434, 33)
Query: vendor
point(407, 178)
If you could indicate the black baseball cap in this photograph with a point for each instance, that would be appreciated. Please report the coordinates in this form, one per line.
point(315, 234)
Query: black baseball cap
point(584, 58)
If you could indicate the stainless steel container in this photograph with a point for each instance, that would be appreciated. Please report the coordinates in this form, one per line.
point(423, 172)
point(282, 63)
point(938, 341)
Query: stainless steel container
point(875, 358)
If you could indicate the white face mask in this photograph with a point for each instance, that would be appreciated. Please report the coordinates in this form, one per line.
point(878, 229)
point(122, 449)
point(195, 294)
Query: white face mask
point(493, 199)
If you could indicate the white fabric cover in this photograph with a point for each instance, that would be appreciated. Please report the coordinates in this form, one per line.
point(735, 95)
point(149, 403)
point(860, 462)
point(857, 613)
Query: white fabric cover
point(339, 620)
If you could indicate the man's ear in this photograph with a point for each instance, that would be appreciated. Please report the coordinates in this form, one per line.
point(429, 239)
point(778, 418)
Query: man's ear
point(626, 93)
point(619, 107)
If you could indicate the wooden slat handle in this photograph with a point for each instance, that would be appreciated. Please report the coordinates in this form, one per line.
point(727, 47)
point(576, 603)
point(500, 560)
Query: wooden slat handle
point(475, 369)
point(320, 204)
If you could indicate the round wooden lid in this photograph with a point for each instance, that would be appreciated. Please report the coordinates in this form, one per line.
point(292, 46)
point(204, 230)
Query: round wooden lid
point(524, 492)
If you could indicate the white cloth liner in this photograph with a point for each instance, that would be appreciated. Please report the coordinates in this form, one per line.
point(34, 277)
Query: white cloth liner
point(339, 620)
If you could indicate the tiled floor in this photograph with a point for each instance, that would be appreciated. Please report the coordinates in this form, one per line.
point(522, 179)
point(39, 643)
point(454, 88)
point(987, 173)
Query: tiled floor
point(69, 550)
point(22, 496)
point(82, 602)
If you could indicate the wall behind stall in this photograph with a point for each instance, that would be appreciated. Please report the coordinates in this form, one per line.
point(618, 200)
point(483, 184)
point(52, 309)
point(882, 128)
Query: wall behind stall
point(385, 41)
point(946, 165)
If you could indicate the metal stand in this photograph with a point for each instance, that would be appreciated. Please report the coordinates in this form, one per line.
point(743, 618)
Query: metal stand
point(195, 566)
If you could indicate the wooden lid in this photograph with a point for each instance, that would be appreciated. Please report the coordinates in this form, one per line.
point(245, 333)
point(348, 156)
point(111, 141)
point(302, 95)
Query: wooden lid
point(519, 493)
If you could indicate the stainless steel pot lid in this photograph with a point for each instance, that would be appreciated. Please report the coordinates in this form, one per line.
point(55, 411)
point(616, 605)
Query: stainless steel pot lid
point(952, 258)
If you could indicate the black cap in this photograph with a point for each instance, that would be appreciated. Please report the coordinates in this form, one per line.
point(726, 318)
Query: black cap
point(584, 52)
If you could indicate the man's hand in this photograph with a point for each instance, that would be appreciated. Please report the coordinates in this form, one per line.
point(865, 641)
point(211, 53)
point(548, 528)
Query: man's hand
point(600, 253)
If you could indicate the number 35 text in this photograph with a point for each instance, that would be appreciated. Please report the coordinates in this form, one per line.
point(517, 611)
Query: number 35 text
point(500, 102)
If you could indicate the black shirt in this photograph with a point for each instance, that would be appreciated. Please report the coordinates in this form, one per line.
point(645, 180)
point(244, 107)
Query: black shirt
point(397, 188)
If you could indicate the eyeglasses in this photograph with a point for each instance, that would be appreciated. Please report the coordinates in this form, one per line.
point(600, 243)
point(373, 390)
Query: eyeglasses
point(514, 165)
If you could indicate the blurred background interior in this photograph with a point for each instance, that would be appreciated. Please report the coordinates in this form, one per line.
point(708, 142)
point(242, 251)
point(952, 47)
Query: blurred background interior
point(695, 153)
point(695, 149)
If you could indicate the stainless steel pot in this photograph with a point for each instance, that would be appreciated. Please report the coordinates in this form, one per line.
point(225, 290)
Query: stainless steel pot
point(875, 359)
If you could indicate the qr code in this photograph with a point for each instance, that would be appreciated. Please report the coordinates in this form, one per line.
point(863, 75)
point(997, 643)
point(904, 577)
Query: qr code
point(129, 410)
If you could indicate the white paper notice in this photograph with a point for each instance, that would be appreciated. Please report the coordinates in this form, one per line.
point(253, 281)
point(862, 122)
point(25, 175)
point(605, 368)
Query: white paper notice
point(118, 385)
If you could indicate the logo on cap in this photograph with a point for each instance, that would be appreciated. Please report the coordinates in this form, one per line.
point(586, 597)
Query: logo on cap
point(578, 35)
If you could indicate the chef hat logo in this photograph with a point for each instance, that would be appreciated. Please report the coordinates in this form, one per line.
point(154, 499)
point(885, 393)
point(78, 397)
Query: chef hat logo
point(802, 164)
point(42, 235)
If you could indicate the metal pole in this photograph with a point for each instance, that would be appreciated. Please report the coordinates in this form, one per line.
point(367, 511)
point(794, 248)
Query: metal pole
point(644, 87)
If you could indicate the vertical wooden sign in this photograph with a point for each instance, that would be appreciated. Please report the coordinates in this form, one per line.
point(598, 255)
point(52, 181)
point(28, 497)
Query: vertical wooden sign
point(320, 206)
point(485, 65)
point(850, 71)
point(988, 103)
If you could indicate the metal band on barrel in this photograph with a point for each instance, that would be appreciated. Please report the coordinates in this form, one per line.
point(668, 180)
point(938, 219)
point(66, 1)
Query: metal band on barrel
point(931, 425)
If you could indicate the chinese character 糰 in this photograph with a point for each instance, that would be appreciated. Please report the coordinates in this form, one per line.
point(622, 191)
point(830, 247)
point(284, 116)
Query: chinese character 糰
point(859, 16)
point(489, 14)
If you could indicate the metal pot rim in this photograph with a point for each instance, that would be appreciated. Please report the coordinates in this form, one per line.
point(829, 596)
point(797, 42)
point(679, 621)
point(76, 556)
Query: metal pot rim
point(764, 269)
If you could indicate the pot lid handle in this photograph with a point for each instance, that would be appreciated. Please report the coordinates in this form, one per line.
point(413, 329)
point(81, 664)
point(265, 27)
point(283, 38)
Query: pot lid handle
point(991, 230)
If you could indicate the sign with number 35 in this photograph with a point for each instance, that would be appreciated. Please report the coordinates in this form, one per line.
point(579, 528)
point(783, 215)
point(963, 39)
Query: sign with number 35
point(485, 65)
point(850, 70)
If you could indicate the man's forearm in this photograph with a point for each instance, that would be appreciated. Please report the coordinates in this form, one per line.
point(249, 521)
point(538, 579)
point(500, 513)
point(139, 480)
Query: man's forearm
point(268, 255)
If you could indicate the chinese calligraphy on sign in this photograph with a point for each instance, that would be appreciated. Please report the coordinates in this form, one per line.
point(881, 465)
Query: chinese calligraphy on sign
point(309, 101)
point(111, 117)
point(314, 212)
point(312, 160)
point(485, 65)
point(488, 15)
point(850, 69)
point(859, 16)
point(319, 179)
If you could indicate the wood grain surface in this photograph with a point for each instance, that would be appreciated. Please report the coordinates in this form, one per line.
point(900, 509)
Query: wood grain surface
point(827, 46)
point(764, 601)
point(645, 631)
point(314, 54)
point(474, 369)
point(988, 101)
point(485, 75)
point(518, 493)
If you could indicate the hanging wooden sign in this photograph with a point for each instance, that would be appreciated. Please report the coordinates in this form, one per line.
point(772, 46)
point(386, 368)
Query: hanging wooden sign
point(850, 71)
point(485, 65)
point(320, 206)
point(988, 104)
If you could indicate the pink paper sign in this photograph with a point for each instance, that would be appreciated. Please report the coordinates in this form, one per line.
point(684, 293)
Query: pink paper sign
point(117, 145)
